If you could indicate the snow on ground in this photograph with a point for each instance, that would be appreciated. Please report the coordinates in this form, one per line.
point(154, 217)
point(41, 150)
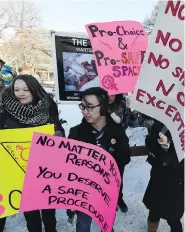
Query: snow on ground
point(137, 136)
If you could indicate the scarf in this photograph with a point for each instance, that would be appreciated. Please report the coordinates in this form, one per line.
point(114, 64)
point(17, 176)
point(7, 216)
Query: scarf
point(34, 115)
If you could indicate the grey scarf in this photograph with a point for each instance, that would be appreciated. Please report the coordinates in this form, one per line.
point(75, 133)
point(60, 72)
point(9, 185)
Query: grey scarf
point(34, 115)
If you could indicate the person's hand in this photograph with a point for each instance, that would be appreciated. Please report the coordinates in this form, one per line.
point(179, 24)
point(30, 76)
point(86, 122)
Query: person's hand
point(163, 141)
point(162, 138)
point(115, 117)
point(151, 154)
point(165, 146)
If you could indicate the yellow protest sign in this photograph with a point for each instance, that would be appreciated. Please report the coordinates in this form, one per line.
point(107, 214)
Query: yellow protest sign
point(14, 152)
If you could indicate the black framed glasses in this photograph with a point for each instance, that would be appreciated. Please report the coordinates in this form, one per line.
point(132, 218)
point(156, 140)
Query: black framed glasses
point(88, 108)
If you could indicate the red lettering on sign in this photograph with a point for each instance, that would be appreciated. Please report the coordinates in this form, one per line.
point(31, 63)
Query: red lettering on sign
point(158, 105)
point(170, 109)
point(161, 85)
point(181, 136)
point(140, 93)
point(151, 100)
point(178, 118)
point(175, 8)
point(179, 73)
point(160, 35)
point(160, 61)
point(180, 98)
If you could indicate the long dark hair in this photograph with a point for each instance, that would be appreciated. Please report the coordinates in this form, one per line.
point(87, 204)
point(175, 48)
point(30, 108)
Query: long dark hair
point(34, 87)
point(118, 107)
point(118, 102)
point(118, 99)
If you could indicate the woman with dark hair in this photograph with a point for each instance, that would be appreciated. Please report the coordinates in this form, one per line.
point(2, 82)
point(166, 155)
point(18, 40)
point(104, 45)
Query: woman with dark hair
point(117, 108)
point(164, 196)
point(26, 104)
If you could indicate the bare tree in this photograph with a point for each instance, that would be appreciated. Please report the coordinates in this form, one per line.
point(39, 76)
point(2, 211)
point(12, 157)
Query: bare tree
point(31, 44)
point(31, 47)
point(149, 22)
point(5, 19)
point(24, 14)
point(19, 14)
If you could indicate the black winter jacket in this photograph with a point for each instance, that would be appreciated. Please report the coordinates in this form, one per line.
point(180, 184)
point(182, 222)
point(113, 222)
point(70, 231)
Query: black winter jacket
point(112, 132)
point(165, 192)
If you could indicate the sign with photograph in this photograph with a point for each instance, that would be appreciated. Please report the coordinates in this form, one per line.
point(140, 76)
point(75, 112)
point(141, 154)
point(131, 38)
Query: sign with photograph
point(74, 65)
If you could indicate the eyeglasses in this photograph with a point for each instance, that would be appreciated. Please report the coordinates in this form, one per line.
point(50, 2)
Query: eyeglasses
point(88, 108)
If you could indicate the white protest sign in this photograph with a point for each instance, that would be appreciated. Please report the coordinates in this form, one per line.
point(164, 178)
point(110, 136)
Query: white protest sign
point(159, 92)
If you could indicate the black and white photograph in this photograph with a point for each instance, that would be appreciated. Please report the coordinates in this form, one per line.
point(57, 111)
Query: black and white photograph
point(76, 69)
point(80, 71)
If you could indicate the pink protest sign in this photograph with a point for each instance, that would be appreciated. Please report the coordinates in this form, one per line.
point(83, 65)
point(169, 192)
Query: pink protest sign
point(119, 49)
point(69, 174)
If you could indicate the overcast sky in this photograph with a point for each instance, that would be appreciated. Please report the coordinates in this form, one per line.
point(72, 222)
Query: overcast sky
point(73, 15)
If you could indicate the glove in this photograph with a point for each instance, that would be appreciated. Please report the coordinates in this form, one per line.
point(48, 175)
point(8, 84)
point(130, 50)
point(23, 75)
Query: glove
point(163, 141)
point(115, 117)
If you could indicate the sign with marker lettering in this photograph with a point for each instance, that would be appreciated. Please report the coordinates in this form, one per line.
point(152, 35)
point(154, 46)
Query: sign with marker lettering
point(160, 89)
point(68, 174)
point(14, 152)
point(119, 49)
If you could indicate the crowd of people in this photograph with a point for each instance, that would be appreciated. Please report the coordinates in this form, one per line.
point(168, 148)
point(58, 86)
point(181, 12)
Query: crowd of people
point(26, 104)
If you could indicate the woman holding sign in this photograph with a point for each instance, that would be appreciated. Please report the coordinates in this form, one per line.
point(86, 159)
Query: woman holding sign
point(26, 104)
point(98, 128)
point(164, 196)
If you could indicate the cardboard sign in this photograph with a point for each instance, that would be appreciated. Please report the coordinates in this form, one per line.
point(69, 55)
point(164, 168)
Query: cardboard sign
point(119, 49)
point(64, 173)
point(160, 89)
point(14, 152)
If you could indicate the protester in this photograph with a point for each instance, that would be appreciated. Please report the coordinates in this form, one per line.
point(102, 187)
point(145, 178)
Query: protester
point(2, 87)
point(117, 107)
point(26, 104)
point(7, 73)
point(164, 196)
point(98, 128)
point(2, 224)
point(2, 63)
point(1, 84)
